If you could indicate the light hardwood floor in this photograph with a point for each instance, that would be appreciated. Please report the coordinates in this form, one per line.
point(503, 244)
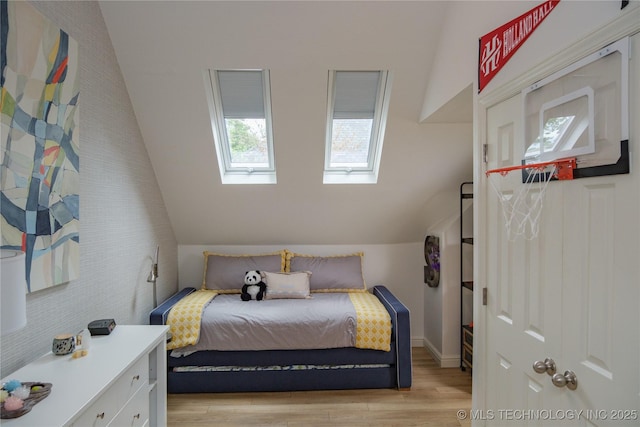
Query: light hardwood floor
point(435, 398)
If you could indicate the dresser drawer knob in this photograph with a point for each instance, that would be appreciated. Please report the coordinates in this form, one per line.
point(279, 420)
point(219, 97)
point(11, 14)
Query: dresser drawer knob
point(136, 378)
point(100, 415)
point(136, 416)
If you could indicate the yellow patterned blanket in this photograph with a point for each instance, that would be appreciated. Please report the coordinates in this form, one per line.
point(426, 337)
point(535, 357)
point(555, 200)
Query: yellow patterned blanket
point(184, 318)
point(373, 323)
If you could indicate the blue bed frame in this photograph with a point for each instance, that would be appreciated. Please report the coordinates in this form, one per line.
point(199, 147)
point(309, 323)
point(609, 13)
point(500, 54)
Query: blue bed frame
point(392, 369)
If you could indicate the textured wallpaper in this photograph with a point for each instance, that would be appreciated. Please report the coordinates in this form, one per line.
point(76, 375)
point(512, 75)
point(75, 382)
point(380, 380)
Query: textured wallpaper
point(122, 214)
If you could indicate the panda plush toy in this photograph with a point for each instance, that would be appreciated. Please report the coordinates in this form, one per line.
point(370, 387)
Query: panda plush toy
point(254, 287)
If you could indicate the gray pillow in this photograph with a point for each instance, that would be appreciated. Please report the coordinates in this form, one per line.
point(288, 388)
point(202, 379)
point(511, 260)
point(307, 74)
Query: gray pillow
point(226, 272)
point(330, 273)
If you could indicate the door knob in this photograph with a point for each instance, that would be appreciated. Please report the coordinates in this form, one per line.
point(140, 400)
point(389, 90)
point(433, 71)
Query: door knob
point(547, 365)
point(569, 379)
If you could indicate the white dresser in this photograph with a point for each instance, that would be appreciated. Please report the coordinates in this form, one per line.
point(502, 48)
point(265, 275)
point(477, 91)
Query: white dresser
point(121, 382)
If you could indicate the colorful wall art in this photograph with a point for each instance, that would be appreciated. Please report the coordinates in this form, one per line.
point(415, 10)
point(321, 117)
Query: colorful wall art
point(39, 194)
point(432, 258)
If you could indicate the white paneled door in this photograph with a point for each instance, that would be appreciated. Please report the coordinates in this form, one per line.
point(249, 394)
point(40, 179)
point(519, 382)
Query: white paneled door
point(570, 296)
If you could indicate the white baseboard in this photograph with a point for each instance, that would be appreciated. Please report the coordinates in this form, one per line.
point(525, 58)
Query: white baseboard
point(444, 361)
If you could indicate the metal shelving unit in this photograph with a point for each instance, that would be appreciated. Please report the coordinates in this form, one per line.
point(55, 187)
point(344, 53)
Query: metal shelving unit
point(466, 286)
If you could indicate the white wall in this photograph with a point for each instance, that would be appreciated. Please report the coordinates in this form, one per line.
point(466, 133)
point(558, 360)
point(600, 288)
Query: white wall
point(442, 304)
point(398, 267)
point(299, 48)
point(433, 305)
point(122, 214)
point(467, 21)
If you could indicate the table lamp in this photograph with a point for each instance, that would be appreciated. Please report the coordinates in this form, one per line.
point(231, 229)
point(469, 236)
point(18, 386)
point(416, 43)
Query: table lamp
point(153, 276)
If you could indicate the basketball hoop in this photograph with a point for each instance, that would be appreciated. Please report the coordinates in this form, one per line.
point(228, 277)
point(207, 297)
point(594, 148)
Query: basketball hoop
point(522, 205)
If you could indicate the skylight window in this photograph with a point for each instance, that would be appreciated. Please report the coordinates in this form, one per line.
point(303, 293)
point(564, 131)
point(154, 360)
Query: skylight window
point(357, 112)
point(240, 108)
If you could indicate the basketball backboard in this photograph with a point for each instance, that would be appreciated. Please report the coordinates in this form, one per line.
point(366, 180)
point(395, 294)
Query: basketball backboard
point(582, 112)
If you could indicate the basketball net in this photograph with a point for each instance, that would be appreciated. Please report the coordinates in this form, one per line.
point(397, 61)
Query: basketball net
point(523, 204)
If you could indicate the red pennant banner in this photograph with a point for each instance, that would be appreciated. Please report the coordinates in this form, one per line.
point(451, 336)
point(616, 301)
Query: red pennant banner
point(498, 46)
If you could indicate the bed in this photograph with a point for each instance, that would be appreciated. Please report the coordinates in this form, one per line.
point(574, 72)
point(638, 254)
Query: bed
point(238, 363)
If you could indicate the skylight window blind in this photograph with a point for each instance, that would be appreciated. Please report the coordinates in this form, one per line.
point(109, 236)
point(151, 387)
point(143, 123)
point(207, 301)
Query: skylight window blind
point(355, 94)
point(242, 94)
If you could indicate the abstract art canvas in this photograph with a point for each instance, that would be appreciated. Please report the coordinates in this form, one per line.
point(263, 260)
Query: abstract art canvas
point(39, 194)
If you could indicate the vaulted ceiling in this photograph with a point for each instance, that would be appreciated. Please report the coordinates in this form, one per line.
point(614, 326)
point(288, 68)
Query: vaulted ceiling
point(163, 48)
